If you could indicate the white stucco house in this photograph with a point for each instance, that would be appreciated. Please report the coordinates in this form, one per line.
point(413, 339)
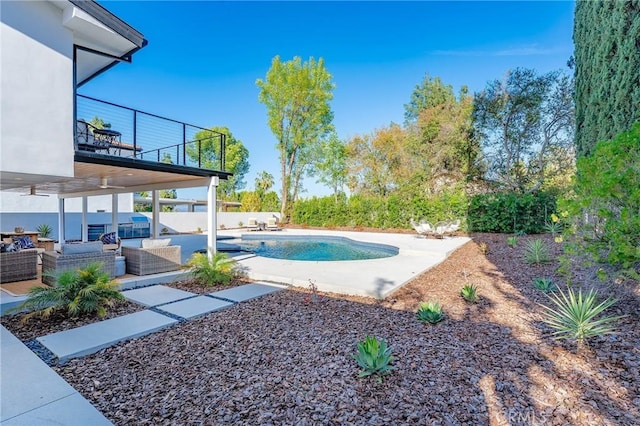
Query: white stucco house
point(50, 141)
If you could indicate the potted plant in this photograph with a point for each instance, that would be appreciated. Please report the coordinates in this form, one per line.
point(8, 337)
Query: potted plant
point(44, 230)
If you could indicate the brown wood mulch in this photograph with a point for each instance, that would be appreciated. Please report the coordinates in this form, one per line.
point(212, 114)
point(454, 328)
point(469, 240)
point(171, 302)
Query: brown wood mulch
point(283, 359)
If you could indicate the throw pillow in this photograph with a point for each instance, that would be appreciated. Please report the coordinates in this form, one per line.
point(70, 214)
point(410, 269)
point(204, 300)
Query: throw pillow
point(109, 238)
point(8, 248)
point(23, 242)
point(160, 242)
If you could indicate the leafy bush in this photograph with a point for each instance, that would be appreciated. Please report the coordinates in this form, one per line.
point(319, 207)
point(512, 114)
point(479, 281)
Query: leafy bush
point(81, 292)
point(573, 316)
point(606, 200)
point(430, 312)
point(374, 357)
point(510, 212)
point(469, 293)
point(219, 270)
point(544, 284)
point(537, 252)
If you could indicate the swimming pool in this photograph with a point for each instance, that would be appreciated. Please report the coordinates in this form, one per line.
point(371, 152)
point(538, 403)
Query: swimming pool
point(314, 248)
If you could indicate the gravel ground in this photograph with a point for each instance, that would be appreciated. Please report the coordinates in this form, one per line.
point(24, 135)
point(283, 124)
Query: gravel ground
point(282, 359)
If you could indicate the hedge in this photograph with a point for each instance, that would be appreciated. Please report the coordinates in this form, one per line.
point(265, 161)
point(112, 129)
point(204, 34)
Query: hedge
point(511, 212)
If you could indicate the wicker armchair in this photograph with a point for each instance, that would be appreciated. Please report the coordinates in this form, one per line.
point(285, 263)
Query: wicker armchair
point(145, 261)
point(19, 266)
point(76, 256)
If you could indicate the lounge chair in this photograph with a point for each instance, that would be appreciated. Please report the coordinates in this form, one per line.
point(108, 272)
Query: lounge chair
point(423, 228)
point(272, 225)
point(252, 224)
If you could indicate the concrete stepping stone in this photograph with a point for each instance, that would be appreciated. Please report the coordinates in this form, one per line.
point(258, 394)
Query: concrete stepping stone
point(247, 291)
point(33, 394)
point(195, 307)
point(91, 338)
point(156, 295)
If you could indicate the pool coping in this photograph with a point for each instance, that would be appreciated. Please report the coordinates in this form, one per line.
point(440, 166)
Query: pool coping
point(377, 278)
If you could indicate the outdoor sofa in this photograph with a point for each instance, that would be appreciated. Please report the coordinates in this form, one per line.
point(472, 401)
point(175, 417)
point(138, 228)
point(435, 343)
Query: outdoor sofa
point(76, 256)
point(155, 256)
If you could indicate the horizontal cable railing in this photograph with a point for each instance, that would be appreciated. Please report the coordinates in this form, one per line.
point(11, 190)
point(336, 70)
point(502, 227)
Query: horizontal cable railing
point(140, 135)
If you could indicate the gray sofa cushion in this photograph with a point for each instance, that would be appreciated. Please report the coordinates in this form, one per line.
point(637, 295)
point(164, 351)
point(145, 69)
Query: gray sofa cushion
point(92, 247)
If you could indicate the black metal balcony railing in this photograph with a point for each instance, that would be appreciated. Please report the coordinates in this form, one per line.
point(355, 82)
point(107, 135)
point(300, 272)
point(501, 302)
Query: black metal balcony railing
point(143, 136)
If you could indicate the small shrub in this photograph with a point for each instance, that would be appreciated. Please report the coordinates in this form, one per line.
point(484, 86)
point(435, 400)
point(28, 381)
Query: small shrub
point(544, 284)
point(82, 292)
point(573, 316)
point(469, 293)
point(374, 357)
point(484, 248)
point(219, 270)
point(512, 241)
point(44, 230)
point(430, 312)
point(537, 252)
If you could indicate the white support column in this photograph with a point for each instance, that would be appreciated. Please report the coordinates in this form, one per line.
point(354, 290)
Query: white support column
point(61, 220)
point(114, 213)
point(155, 215)
point(85, 224)
point(212, 231)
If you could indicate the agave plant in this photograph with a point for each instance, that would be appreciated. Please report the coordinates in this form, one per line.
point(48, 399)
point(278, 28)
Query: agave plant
point(44, 230)
point(537, 252)
point(573, 315)
point(430, 312)
point(80, 292)
point(219, 270)
point(374, 357)
point(544, 285)
point(469, 292)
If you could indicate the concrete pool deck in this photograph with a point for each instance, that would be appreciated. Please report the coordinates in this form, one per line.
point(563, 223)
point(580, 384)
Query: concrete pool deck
point(374, 277)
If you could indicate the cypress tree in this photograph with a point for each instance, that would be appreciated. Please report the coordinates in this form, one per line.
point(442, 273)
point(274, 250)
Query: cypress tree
point(606, 35)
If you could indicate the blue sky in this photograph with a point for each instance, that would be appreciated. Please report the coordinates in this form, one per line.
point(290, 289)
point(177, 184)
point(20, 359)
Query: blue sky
point(203, 58)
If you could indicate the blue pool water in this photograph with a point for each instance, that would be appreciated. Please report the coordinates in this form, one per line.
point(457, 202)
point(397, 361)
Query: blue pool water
point(303, 247)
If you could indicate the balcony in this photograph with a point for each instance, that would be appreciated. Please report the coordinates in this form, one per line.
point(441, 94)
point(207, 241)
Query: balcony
point(114, 132)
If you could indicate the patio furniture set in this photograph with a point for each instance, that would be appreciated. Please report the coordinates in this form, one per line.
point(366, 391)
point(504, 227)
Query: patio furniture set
point(270, 225)
point(154, 256)
point(439, 230)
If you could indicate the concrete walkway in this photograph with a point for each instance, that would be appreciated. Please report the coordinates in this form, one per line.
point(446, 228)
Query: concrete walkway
point(32, 393)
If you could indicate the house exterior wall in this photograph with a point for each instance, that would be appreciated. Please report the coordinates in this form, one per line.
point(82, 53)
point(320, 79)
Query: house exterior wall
point(36, 134)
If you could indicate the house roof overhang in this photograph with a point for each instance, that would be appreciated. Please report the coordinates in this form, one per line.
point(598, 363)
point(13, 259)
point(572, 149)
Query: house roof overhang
point(123, 175)
point(102, 39)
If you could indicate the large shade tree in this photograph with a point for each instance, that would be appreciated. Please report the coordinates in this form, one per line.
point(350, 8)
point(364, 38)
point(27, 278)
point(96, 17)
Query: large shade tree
point(607, 69)
point(331, 164)
point(525, 122)
point(236, 157)
point(297, 95)
point(429, 93)
point(442, 143)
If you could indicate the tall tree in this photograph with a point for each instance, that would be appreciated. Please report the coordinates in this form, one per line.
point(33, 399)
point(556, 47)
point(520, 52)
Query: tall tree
point(429, 93)
point(331, 164)
point(521, 119)
point(606, 35)
point(444, 145)
point(264, 182)
point(379, 163)
point(236, 157)
point(297, 96)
